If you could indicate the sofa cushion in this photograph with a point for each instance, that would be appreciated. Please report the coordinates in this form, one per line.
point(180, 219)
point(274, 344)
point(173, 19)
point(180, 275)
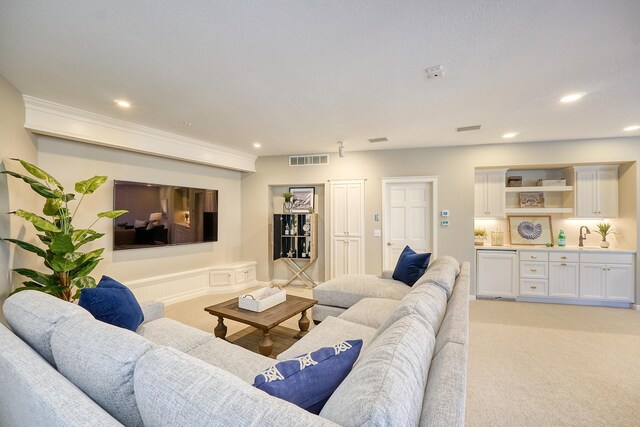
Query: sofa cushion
point(33, 316)
point(442, 272)
point(455, 325)
point(410, 266)
point(370, 311)
point(345, 291)
point(113, 303)
point(100, 359)
point(330, 332)
point(232, 358)
point(386, 386)
point(309, 380)
point(320, 312)
point(446, 391)
point(165, 331)
point(428, 302)
point(175, 389)
point(32, 391)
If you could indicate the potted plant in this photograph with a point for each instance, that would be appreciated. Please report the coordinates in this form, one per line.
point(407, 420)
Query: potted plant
point(480, 235)
point(69, 267)
point(286, 206)
point(604, 229)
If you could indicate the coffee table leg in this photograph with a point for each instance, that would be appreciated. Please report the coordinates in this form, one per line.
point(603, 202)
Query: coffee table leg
point(221, 329)
point(266, 345)
point(303, 324)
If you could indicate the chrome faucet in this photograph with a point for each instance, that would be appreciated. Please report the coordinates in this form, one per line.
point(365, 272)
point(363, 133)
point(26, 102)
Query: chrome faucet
point(583, 236)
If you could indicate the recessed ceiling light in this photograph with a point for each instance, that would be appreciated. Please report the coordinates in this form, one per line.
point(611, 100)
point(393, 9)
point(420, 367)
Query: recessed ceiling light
point(257, 145)
point(631, 128)
point(573, 97)
point(122, 103)
point(509, 135)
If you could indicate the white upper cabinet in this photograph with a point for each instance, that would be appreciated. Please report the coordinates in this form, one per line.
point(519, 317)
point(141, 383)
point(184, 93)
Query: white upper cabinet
point(347, 227)
point(489, 193)
point(596, 191)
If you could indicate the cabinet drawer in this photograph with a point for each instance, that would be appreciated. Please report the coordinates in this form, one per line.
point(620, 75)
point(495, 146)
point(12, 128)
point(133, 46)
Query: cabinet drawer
point(534, 269)
point(222, 277)
point(533, 287)
point(564, 256)
point(534, 256)
point(606, 258)
point(245, 274)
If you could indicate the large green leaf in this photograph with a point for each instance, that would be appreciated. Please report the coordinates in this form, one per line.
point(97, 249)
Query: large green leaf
point(68, 197)
point(44, 238)
point(61, 244)
point(40, 223)
point(86, 267)
point(82, 282)
point(90, 185)
point(28, 247)
point(112, 214)
point(44, 279)
point(81, 237)
point(66, 262)
point(37, 186)
point(52, 207)
point(39, 173)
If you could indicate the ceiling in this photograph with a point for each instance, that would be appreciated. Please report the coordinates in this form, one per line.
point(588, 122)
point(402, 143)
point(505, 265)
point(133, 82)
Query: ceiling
point(298, 76)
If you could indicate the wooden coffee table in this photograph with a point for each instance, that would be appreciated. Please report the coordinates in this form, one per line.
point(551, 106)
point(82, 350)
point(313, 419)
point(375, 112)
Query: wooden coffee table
point(265, 320)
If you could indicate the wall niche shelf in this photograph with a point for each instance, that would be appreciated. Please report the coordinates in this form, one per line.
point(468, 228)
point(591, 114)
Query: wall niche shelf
point(535, 211)
point(538, 189)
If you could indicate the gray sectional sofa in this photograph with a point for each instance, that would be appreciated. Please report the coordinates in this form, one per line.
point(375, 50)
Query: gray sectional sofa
point(61, 367)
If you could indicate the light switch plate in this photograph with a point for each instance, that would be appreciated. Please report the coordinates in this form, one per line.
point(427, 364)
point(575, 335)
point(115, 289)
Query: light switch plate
point(445, 213)
point(444, 222)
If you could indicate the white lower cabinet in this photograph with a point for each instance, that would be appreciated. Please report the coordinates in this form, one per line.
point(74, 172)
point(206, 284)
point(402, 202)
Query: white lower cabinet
point(235, 275)
point(563, 279)
point(596, 276)
point(497, 273)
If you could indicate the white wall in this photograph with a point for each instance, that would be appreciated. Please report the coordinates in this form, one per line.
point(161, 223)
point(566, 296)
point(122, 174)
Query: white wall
point(455, 168)
point(71, 161)
point(16, 142)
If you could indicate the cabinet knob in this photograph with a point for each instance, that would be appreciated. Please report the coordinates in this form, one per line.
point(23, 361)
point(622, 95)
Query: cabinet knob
point(534, 269)
point(534, 287)
point(563, 257)
point(563, 264)
point(388, 243)
point(533, 257)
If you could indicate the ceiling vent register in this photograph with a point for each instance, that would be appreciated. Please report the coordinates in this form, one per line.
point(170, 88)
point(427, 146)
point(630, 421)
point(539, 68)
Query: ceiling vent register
point(468, 128)
point(309, 160)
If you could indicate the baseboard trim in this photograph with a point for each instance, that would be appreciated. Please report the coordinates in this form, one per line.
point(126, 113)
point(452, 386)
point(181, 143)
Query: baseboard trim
point(281, 282)
point(637, 307)
point(576, 302)
point(472, 297)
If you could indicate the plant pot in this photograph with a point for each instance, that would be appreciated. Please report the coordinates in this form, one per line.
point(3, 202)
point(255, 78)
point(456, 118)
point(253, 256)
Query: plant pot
point(478, 241)
point(286, 207)
point(604, 244)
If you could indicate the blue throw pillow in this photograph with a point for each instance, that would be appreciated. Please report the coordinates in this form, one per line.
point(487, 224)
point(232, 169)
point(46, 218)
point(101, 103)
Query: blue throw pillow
point(411, 266)
point(112, 302)
point(310, 379)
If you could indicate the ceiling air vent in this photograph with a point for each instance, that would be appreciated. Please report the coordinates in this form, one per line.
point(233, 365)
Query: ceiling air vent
point(468, 128)
point(382, 139)
point(309, 160)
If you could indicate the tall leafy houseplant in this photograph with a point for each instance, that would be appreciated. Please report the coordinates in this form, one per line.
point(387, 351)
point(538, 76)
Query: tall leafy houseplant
point(70, 267)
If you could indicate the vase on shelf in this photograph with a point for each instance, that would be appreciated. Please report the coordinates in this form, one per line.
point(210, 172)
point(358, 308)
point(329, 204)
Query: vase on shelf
point(286, 207)
point(604, 244)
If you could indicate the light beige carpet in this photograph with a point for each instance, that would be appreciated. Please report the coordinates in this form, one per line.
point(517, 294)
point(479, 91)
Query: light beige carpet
point(552, 365)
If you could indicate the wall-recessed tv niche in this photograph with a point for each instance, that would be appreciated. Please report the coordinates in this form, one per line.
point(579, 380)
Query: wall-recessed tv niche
point(161, 215)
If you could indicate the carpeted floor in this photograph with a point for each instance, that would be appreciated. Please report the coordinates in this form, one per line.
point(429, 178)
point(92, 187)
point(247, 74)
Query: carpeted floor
point(529, 364)
point(552, 365)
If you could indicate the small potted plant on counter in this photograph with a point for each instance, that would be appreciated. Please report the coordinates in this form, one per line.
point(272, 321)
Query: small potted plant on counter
point(480, 235)
point(604, 229)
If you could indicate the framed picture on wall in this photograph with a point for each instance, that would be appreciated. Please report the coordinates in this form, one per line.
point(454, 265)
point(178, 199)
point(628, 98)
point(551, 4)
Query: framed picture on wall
point(303, 199)
point(530, 230)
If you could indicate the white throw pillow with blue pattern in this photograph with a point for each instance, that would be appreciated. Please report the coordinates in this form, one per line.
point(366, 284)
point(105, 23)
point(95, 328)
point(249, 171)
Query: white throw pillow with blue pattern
point(309, 379)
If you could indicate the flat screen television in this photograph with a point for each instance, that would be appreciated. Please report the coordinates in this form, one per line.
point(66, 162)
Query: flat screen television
point(161, 215)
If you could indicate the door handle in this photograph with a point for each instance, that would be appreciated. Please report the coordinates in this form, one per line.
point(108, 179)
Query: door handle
point(388, 243)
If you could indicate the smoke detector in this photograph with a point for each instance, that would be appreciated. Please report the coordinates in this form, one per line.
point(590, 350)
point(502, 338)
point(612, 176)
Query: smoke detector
point(434, 71)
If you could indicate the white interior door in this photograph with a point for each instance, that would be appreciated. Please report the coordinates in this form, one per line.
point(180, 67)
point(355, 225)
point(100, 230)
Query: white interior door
point(408, 217)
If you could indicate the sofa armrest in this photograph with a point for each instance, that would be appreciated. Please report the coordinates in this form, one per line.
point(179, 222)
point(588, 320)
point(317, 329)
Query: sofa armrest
point(387, 274)
point(152, 310)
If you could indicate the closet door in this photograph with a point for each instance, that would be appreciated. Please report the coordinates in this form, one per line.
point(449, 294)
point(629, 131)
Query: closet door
point(347, 225)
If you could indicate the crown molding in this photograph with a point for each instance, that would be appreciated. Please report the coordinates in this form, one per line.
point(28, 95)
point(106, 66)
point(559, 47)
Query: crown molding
point(49, 118)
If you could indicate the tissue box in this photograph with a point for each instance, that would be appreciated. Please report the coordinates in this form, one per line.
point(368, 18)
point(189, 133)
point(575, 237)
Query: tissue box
point(262, 299)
